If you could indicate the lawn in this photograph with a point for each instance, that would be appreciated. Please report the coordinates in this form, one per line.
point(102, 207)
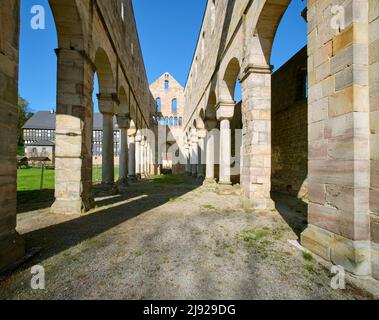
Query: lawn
point(30, 179)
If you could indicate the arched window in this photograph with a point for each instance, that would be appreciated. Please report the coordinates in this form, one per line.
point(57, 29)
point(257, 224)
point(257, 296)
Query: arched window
point(166, 84)
point(159, 108)
point(166, 121)
point(176, 121)
point(174, 106)
point(171, 121)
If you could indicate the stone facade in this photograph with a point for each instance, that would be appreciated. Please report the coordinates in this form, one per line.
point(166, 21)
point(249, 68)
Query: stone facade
point(169, 96)
point(342, 105)
point(93, 36)
point(290, 127)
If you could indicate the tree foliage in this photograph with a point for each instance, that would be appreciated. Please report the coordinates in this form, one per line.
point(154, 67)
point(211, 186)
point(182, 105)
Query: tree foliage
point(24, 114)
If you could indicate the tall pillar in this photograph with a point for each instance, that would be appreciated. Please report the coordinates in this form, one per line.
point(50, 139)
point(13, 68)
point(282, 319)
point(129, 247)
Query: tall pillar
point(202, 134)
point(195, 153)
point(123, 124)
point(132, 154)
point(256, 115)
point(339, 227)
point(187, 158)
point(74, 130)
point(138, 140)
point(107, 107)
point(143, 158)
point(225, 112)
point(11, 244)
point(210, 151)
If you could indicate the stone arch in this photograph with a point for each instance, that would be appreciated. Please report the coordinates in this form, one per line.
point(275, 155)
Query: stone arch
point(262, 29)
point(228, 81)
point(104, 72)
point(68, 22)
point(210, 111)
point(124, 101)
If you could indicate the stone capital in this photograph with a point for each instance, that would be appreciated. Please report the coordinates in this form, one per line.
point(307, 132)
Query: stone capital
point(256, 68)
point(201, 133)
point(123, 121)
point(211, 124)
point(225, 110)
point(108, 103)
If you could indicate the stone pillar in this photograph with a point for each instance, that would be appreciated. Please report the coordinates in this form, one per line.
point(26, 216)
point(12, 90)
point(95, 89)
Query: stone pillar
point(132, 155)
point(11, 244)
point(225, 112)
point(210, 152)
point(138, 140)
point(256, 117)
point(143, 157)
point(123, 124)
point(107, 107)
point(187, 157)
point(195, 153)
point(74, 130)
point(338, 126)
point(202, 134)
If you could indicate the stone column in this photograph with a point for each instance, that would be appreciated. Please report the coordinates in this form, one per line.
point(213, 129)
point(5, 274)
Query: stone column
point(107, 106)
point(210, 151)
point(143, 157)
point(138, 140)
point(74, 130)
point(339, 128)
point(256, 116)
point(225, 112)
point(202, 134)
point(195, 153)
point(187, 158)
point(11, 244)
point(132, 155)
point(123, 124)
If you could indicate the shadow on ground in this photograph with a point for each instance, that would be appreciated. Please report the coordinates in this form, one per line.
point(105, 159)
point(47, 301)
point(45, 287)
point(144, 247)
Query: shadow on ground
point(293, 211)
point(117, 209)
point(34, 200)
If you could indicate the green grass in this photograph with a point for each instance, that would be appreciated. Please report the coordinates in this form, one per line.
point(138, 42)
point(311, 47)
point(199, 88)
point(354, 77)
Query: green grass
point(307, 256)
point(168, 179)
point(30, 179)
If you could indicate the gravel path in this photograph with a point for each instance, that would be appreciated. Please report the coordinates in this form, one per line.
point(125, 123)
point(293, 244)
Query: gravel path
point(169, 241)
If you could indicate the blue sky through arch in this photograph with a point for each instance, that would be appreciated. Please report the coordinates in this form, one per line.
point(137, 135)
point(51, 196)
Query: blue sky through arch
point(168, 31)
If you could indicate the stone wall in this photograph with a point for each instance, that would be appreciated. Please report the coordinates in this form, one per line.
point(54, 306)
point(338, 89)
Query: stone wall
point(290, 126)
point(374, 129)
point(11, 245)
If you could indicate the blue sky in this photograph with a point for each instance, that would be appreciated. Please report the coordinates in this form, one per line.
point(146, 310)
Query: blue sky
point(168, 31)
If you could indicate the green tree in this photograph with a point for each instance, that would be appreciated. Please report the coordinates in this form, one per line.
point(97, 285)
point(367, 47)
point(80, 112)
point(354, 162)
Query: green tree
point(24, 114)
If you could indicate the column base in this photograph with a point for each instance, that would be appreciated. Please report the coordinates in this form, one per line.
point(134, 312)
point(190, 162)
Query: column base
point(12, 248)
point(132, 178)
point(209, 181)
point(225, 183)
point(70, 207)
point(108, 189)
point(354, 256)
point(259, 203)
point(123, 182)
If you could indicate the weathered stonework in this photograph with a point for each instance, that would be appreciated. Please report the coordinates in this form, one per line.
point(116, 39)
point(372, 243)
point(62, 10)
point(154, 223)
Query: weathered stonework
point(289, 127)
point(93, 36)
point(341, 117)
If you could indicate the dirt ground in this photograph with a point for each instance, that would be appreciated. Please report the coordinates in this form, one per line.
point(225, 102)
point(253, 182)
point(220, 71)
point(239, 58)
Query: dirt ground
point(171, 239)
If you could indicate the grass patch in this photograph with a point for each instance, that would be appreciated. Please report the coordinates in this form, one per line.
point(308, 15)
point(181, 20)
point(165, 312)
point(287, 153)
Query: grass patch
point(307, 256)
point(209, 207)
point(253, 235)
point(310, 269)
point(168, 179)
